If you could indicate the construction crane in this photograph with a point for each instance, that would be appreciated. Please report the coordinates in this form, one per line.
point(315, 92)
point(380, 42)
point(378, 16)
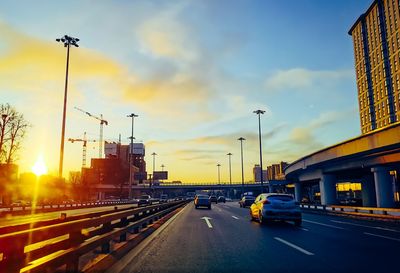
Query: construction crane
point(102, 122)
point(84, 140)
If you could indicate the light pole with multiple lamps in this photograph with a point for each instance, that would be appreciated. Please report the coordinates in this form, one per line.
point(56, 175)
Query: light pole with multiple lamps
point(241, 159)
point(67, 41)
point(133, 116)
point(230, 168)
point(260, 112)
point(162, 167)
point(219, 176)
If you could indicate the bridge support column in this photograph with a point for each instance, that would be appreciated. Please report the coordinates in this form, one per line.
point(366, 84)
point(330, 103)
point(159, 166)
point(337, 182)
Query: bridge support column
point(383, 187)
point(368, 191)
point(327, 187)
point(297, 191)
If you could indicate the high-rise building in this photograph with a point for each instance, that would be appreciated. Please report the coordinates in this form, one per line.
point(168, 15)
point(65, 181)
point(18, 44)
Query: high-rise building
point(257, 174)
point(376, 41)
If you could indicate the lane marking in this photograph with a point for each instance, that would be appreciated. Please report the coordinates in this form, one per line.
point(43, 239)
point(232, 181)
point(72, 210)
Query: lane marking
point(207, 219)
point(294, 246)
point(322, 224)
point(381, 236)
point(304, 229)
point(219, 210)
point(234, 217)
point(360, 225)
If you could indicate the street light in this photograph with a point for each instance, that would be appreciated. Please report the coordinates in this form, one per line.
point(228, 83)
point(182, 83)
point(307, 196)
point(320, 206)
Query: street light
point(219, 177)
point(241, 157)
point(133, 116)
point(230, 168)
point(260, 112)
point(3, 126)
point(162, 167)
point(67, 41)
point(154, 162)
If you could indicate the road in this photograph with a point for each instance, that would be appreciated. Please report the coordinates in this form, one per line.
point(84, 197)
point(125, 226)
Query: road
point(23, 219)
point(230, 242)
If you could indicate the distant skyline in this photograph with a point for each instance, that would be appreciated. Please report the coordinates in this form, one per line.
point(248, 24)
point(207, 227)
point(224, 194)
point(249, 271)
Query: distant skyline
point(194, 72)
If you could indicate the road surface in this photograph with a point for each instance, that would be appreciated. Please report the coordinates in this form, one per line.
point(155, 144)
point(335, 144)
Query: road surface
point(230, 242)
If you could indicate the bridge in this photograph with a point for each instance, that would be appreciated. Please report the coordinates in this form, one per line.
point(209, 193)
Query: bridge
point(372, 159)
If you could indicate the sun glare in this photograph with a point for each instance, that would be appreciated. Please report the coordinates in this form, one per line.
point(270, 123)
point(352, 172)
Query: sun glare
point(40, 167)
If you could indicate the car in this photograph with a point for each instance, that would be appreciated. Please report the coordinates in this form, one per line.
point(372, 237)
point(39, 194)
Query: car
point(202, 200)
point(276, 206)
point(163, 198)
point(144, 200)
point(221, 199)
point(20, 203)
point(214, 199)
point(246, 201)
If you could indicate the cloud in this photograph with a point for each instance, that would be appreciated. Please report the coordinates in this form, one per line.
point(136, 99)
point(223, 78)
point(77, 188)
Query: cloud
point(302, 79)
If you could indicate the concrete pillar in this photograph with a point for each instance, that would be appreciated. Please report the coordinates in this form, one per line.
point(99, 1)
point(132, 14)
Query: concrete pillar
point(383, 187)
point(327, 187)
point(368, 191)
point(297, 191)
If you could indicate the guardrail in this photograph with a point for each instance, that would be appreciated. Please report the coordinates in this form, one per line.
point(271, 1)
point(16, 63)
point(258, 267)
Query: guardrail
point(46, 248)
point(369, 211)
point(55, 207)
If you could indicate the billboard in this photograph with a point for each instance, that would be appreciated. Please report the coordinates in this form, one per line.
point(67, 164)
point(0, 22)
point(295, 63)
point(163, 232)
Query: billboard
point(160, 175)
point(140, 176)
point(138, 149)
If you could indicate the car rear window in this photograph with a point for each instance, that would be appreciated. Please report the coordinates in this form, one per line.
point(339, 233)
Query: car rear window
point(202, 196)
point(281, 197)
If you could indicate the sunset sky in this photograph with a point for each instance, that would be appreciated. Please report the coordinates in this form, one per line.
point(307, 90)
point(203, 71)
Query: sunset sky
point(193, 71)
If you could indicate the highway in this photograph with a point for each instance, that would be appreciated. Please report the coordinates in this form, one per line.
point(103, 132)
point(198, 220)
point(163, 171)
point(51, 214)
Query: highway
point(24, 219)
point(230, 242)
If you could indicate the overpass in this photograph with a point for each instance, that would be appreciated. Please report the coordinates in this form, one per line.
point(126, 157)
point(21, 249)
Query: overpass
point(372, 159)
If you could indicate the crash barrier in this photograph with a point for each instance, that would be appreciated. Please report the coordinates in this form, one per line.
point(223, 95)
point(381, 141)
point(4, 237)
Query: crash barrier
point(367, 211)
point(47, 248)
point(28, 209)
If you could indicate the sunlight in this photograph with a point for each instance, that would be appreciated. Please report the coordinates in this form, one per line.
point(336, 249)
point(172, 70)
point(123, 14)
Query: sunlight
point(40, 167)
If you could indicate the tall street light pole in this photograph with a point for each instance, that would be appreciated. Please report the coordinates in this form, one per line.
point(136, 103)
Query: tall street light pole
point(162, 167)
point(241, 158)
point(260, 112)
point(133, 116)
point(67, 41)
point(230, 168)
point(219, 177)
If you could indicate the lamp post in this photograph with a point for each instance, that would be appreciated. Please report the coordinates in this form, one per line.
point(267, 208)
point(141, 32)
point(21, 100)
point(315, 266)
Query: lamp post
point(162, 167)
point(219, 177)
point(67, 41)
point(3, 127)
point(154, 162)
point(260, 112)
point(230, 168)
point(133, 116)
point(241, 158)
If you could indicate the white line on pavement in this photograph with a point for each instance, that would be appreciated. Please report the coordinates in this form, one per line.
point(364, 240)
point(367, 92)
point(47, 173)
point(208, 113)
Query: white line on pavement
point(322, 224)
point(304, 229)
point(234, 217)
point(207, 219)
point(293, 246)
point(381, 236)
point(354, 224)
point(219, 210)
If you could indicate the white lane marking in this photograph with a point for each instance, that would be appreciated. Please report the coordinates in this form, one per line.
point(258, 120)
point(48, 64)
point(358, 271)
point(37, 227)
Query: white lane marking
point(304, 229)
point(354, 224)
point(234, 217)
point(322, 224)
point(207, 219)
point(381, 236)
point(219, 210)
point(293, 246)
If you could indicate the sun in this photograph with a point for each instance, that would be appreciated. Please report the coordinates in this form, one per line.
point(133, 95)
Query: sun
point(40, 167)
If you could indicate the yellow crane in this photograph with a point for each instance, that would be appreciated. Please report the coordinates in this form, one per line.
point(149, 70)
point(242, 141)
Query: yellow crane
point(85, 141)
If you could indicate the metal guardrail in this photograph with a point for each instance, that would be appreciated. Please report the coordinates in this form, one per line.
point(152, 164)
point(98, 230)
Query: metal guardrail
point(55, 207)
point(360, 210)
point(46, 248)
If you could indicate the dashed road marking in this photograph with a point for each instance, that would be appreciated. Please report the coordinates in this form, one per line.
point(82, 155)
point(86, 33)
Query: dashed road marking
point(322, 224)
point(304, 229)
point(234, 217)
point(302, 250)
point(360, 225)
point(381, 236)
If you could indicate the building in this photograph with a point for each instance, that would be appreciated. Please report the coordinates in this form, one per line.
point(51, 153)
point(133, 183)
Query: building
point(257, 173)
point(275, 171)
point(376, 41)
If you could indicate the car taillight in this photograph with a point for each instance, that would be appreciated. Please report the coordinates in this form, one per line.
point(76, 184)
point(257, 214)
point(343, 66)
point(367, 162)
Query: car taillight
point(266, 202)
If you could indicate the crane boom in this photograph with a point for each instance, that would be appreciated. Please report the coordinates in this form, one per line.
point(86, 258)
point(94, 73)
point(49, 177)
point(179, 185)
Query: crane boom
point(84, 140)
point(102, 122)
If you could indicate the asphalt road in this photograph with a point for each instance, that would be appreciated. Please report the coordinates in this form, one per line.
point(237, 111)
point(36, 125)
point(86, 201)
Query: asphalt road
point(233, 243)
point(23, 219)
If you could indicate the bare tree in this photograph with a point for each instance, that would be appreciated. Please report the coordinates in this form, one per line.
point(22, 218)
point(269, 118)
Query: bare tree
point(12, 131)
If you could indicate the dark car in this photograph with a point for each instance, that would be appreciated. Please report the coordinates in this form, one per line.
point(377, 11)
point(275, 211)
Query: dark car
point(221, 199)
point(202, 200)
point(214, 199)
point(144, 200)
point(246, 201)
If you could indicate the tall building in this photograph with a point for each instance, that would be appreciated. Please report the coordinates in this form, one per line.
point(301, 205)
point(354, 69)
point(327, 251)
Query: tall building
point(376, 41)
point(257, 174)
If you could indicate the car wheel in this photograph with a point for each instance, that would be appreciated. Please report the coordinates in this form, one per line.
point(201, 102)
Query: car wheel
point(297, 223)
point(240, 205)
point(261, 218)
point(196, 207)
point(251, 216)
point(209, 207)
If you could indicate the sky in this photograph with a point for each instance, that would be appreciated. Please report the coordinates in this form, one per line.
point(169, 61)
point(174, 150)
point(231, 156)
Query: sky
point(194, 71)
